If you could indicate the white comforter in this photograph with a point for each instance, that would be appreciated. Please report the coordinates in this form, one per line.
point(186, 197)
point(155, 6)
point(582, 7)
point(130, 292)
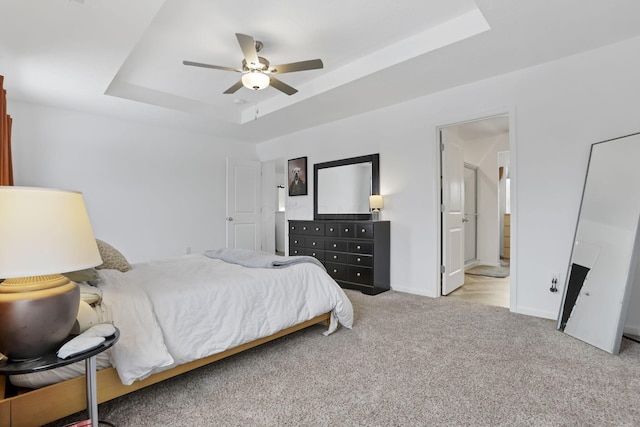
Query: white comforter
point(177, 310)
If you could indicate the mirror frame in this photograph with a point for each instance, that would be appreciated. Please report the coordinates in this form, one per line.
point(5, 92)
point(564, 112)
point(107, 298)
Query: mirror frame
point(570, 296)
point(374, 159)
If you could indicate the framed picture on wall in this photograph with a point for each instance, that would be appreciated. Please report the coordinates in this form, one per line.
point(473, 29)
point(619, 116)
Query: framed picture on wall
point(298, 176)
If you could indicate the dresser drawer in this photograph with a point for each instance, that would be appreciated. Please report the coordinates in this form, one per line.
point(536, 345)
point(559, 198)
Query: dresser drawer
point(316, 253)
point(332, 230)
point(362, 275)
point(336, 245)
point(307, 228)
point(364, 231)
point(360, 260)
point(339, 257)
point(296, 241)
point(336, 271)
point(347, 230)
point(314, 242)
point(297, 251)
point(361, 247)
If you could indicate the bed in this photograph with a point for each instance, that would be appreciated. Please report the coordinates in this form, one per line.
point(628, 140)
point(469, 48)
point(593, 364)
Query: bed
point(192, 310)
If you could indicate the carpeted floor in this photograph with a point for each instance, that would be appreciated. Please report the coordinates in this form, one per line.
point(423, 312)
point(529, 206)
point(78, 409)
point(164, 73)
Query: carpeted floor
point(408, 361)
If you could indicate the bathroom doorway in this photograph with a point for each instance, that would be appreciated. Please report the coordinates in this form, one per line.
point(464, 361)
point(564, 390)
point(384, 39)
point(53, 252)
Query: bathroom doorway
point(474, 224)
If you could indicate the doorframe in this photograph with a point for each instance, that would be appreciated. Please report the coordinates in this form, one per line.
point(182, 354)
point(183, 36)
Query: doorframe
point(510, 112)
point(474, 168)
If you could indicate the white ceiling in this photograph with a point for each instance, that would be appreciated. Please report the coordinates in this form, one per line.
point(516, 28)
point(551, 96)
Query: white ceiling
point(123, 58)
point(484, 128)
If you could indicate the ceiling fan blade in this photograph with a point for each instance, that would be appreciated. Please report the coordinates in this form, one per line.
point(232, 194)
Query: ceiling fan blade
point(248, 46)
point(282, 87)
point(312, 64)
point(215, 67)
point(234, 88)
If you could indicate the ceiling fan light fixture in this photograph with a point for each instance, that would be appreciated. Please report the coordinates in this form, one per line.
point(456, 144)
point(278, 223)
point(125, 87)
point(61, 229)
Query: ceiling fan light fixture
point(255, 80)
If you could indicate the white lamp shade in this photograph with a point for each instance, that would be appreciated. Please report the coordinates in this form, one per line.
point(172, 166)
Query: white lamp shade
point(376, 201)
point(44, 231)
point(255, 80)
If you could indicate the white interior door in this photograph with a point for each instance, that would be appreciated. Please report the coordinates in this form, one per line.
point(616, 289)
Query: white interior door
point(243, 204)
point(452, 160)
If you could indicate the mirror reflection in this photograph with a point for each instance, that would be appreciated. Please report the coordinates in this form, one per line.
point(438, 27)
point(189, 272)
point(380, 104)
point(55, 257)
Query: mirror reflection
point(344, 189)
point(603, 261)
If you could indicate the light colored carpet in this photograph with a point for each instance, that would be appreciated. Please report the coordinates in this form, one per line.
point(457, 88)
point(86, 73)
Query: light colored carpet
point(489, 271)
point(409, 361)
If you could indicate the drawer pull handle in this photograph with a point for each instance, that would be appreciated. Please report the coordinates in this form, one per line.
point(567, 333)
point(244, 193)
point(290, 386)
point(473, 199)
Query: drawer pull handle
point(331, 229)
point(304, 228)
point(364, 230)
point(358, 274)
point(359, 260)
point(335, 257)
point(314, 254)
point(358, 247)
point(317, 228)
point(346, 230)
point(335, 245)
point(314, 243)
point(335, 271)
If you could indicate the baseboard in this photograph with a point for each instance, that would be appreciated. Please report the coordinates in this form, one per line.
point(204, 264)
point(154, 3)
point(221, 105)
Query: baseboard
point(412, 291)
point(471, 265)
point(536, 313)
point(631, 330)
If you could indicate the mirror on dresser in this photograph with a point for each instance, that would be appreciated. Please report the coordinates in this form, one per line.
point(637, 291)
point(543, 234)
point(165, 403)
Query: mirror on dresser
point(605, 250)
point(342, 187)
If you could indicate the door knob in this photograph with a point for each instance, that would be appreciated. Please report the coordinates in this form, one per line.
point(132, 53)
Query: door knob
point(465, 219)
point(229, 218)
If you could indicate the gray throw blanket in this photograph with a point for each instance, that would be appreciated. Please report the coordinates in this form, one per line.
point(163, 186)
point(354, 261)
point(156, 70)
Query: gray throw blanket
point(255, 259)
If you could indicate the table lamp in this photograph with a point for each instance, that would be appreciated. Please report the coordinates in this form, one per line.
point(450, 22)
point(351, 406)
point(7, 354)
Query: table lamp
point(375, 203)
point(43, 232)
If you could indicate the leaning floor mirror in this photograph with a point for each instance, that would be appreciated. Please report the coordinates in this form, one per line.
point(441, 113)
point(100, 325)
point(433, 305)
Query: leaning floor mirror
point(601, 273)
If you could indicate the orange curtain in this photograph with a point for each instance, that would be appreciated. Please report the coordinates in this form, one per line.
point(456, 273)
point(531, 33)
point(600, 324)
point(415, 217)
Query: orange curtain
point(6, 166)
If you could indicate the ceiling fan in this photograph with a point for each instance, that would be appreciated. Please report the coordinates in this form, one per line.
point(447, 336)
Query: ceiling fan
point(256, 71)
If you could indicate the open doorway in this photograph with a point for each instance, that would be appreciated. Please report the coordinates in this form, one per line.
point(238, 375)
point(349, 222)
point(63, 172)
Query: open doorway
point(273, 206)
point(475, 218)
point(280, 226)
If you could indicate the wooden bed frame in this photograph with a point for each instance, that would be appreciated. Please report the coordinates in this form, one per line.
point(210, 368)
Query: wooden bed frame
point(47, 404)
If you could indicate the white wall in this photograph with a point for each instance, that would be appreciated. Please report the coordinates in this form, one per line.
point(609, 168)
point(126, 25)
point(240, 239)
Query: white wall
point(150, 192)
point(557, 111)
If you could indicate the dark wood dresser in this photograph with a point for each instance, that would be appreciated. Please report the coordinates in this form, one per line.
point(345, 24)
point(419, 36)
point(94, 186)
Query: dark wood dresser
point(355, 253)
